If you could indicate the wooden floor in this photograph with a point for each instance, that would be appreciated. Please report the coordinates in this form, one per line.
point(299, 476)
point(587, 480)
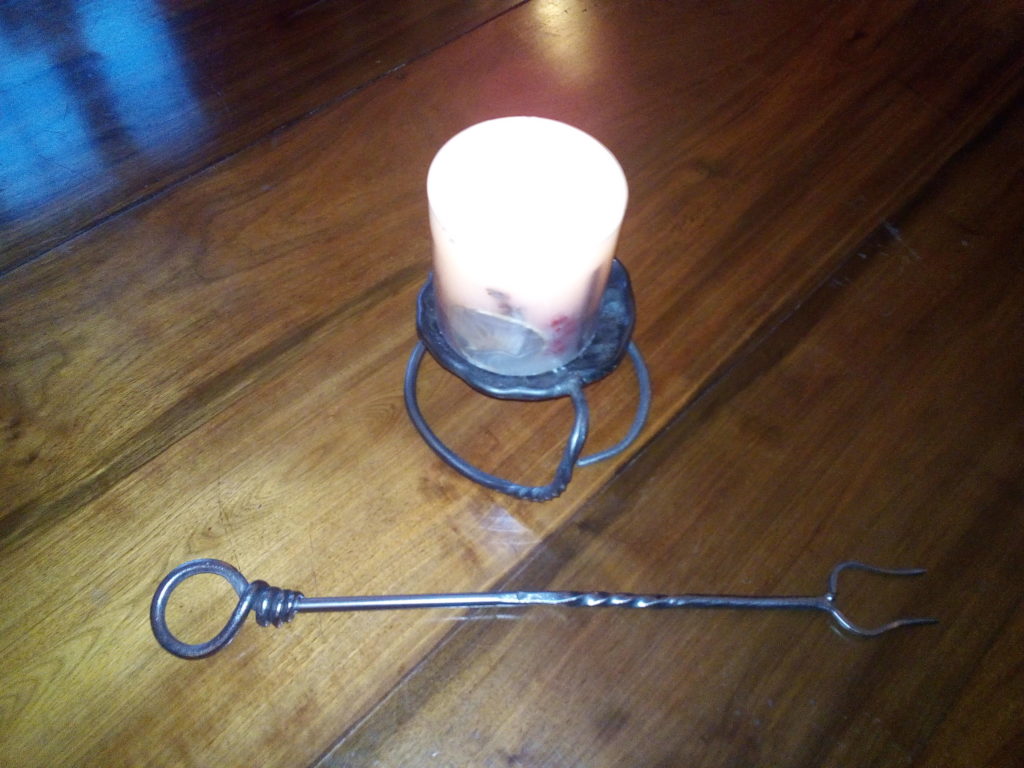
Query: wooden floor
point(213, 228)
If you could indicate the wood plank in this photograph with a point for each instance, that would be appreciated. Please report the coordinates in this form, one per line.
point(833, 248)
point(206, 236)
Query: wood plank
point(883, 422)
point(106, 103)
point(119, 344)
point(218, 372)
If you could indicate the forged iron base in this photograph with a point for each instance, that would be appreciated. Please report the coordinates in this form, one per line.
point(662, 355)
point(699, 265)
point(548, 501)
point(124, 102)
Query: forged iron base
point(611, 342)
point(616, 317)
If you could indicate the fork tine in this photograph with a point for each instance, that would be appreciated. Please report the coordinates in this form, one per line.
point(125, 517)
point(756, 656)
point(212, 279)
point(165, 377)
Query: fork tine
point(855, 629)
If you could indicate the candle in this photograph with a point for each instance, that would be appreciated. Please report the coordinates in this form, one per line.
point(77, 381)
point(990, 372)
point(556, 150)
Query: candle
point(525, 214)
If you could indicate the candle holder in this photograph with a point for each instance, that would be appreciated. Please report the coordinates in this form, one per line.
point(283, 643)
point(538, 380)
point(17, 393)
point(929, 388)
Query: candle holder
point(611, 342)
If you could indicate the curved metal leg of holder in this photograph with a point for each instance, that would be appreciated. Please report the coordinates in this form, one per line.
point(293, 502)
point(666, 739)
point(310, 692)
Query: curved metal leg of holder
point(573, 447)
point(643, 407)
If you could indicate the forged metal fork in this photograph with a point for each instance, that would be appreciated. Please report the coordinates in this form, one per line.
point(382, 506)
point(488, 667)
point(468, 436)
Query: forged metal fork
point(272, 605)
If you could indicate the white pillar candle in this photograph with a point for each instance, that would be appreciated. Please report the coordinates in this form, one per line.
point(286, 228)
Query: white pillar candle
point(525, 213)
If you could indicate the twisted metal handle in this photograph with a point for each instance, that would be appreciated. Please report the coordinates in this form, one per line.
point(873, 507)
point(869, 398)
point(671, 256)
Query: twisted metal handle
point(825, 602)
point(272, 605)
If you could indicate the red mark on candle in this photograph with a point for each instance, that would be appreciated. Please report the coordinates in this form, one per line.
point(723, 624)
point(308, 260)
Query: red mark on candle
point(564, 328)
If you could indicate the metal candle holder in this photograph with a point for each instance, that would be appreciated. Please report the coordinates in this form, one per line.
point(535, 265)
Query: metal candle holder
point(611, 342)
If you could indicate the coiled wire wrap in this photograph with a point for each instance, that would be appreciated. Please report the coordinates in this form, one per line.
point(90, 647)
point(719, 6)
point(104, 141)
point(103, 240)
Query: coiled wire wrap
point(273, 605)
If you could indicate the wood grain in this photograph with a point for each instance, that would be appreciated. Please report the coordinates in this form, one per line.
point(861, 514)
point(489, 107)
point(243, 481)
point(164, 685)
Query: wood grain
point(153, 322)
point(217, 372)
point(882, 421)
point(107, 103)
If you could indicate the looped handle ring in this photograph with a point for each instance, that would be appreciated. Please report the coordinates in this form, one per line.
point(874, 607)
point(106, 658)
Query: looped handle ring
point(270, 604)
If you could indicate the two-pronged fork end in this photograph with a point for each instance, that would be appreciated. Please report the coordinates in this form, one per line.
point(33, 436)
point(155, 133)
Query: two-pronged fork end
point(855, 629)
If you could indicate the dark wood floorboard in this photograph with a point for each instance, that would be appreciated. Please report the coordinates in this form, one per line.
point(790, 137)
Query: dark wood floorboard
point(105, 103)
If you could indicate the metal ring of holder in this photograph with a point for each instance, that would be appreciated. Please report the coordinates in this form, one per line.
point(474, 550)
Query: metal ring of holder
point(611, 342)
